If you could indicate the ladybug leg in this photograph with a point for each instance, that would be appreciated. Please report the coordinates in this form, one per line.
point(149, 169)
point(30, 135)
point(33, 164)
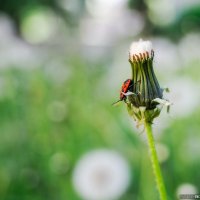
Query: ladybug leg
point(137, 87)
point(116, 102)
point(138, 93)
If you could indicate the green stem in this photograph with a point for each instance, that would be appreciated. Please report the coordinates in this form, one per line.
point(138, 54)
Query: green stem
point(155, 163)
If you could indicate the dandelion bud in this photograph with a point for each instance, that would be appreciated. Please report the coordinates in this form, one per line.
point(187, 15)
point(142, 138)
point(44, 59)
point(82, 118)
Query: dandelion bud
point(145, 85)
point(146, 93)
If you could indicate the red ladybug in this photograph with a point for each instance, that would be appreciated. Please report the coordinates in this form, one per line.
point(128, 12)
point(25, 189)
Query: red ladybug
point(126, 86)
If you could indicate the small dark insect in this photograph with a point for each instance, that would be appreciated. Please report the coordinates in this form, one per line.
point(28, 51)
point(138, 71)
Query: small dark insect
point(126, 86)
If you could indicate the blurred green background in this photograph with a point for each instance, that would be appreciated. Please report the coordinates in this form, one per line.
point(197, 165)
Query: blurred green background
point(62, 64)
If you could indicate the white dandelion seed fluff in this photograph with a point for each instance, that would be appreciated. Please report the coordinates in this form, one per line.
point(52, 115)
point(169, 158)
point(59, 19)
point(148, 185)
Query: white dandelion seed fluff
point(140, 47)
point(101, 175)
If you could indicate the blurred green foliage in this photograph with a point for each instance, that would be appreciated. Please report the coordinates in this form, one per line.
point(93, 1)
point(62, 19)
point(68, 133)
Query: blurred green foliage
point(46, 125)
point(30, 137)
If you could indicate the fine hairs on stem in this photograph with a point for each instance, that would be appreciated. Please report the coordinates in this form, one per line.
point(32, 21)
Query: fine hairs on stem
point(154, 162)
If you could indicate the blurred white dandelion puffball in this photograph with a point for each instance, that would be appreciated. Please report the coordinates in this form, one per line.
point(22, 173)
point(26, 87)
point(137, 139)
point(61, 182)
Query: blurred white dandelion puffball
point(186, 188)
point(183, 93)
point(101, 175)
